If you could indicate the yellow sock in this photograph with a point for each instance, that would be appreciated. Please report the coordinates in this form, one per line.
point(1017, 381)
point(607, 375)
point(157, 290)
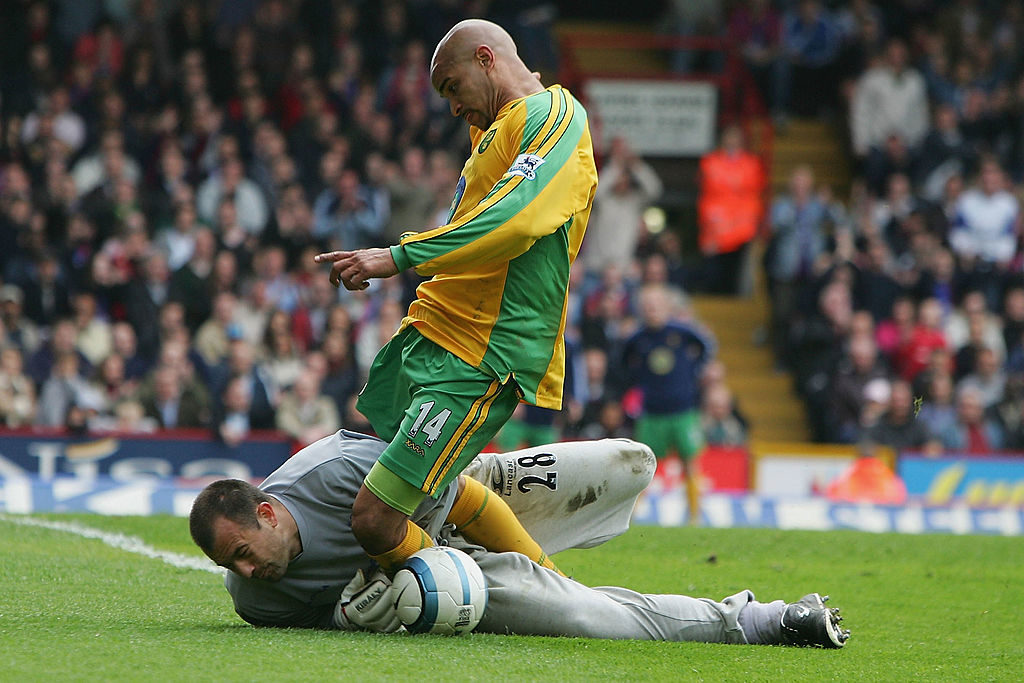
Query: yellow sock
point(415, 539)
point(487, 520)
point(693, 495)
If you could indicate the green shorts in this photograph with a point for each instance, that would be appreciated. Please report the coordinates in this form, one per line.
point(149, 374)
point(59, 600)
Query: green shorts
point(437, 411)
point(678, 431)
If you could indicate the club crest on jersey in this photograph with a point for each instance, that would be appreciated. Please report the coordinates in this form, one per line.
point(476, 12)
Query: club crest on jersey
point(526, 165)
point(486, 142)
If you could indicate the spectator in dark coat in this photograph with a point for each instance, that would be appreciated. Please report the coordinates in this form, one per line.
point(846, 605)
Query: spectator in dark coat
point(341, 381)
point(144, 296)
point(62, 341)
point(190, 284)
point(241, 364)
point(46, 295)
point(859, 366)
point(898, 427)
point(170, 404)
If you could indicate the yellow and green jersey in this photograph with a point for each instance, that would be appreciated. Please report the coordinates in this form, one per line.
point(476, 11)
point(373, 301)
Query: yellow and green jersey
point(500, 266)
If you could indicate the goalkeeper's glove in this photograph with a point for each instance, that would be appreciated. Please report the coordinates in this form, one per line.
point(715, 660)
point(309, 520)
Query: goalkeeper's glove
point(366, 604)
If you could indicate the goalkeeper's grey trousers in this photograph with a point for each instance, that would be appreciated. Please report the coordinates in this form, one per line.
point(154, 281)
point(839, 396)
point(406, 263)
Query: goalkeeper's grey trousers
point(526, 599)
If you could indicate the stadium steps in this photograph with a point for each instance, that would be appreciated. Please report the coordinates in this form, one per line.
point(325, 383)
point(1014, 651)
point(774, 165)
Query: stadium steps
point(613, 61)
point(764, 395)
point(816, 143)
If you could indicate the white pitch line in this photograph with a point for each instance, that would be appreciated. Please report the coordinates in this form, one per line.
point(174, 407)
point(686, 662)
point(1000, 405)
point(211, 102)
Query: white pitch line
point(132, 544)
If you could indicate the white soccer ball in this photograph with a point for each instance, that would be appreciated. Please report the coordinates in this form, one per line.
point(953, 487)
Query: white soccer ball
point(440, 590)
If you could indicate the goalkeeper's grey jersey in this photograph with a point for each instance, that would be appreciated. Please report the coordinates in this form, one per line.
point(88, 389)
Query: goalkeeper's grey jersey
point(318, 485)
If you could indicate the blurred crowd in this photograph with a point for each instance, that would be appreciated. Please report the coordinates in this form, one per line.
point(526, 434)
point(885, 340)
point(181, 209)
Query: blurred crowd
point(899, 309)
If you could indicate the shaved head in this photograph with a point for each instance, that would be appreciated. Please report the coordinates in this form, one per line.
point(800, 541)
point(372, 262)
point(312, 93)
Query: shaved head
point(462, 41)
point(477, 69)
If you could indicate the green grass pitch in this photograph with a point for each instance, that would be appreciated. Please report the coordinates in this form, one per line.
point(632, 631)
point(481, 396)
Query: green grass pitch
point(931, 607)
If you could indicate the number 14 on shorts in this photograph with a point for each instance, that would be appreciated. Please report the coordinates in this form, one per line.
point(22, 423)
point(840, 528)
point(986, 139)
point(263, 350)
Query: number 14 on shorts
point(431, 428)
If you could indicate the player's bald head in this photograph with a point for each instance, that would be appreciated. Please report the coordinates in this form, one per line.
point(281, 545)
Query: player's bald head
point(476, 68)
point(462, 41)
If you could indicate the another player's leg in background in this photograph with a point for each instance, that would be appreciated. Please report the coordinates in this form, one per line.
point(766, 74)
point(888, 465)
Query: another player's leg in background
point(690, 443)
point(690, 476)
point(651, 430)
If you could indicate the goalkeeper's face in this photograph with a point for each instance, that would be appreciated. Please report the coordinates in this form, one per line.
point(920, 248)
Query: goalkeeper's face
point(261, 552)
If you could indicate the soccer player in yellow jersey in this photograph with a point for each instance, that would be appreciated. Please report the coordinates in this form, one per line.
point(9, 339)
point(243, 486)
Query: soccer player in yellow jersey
point(487, 330)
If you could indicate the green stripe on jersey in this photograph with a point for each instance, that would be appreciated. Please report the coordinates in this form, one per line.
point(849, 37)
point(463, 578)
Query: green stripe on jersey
point(515, 201)
point(537, 109)
point(563, 110)
point(531, 309)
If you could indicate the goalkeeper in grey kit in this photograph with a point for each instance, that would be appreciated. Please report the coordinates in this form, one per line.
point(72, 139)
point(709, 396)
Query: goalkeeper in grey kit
point(293, 560)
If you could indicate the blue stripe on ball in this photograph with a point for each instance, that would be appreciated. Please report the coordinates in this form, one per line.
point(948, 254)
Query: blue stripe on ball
point(463, 578)
point(428, 589)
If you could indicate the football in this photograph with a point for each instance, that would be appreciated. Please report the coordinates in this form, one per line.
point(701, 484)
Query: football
point(440, 590)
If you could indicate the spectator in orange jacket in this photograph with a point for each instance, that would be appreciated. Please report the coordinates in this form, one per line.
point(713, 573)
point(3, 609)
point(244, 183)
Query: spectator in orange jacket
point(729, 211)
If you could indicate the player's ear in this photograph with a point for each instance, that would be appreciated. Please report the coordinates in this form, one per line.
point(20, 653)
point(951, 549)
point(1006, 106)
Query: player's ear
point(265, 511)
point(485, 57)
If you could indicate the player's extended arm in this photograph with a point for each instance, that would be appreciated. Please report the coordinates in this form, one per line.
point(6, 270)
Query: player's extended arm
point(539, 194)
point(354, 268)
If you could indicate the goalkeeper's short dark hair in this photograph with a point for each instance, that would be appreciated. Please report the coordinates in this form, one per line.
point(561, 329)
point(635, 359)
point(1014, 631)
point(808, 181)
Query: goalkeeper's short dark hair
point(232, 499)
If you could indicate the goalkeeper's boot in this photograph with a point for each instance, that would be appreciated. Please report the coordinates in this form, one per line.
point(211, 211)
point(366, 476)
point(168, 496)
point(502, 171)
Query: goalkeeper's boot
point(808, 623)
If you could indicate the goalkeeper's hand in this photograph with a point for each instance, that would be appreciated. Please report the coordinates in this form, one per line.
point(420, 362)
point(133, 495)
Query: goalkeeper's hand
point(366, 604)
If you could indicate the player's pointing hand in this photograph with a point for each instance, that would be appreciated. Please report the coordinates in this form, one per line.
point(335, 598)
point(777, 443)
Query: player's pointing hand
point(355, 268)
